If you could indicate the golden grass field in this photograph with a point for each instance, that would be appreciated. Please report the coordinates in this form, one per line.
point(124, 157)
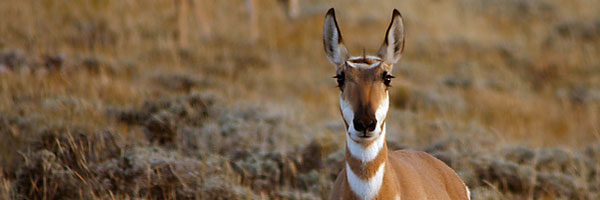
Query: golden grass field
point(124, 99)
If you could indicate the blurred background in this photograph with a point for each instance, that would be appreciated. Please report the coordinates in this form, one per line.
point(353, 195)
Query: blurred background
point(207, 99)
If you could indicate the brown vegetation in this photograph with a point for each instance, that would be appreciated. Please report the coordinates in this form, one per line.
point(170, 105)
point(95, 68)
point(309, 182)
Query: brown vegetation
point(101, 100)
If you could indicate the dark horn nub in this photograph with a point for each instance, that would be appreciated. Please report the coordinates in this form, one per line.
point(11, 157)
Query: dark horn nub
point(364, 54)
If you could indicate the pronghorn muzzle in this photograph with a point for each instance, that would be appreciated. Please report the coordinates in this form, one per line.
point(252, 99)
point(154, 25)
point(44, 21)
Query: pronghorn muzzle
point(364, 123)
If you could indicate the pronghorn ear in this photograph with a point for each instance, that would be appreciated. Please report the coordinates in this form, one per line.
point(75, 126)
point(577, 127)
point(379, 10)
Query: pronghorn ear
point(393, 44)
point(332, 40)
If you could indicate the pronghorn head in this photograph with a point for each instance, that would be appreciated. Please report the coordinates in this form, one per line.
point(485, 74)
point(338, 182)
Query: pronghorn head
point(364, 80)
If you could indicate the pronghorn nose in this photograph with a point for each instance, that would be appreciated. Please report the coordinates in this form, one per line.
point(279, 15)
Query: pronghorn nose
point(364, 123)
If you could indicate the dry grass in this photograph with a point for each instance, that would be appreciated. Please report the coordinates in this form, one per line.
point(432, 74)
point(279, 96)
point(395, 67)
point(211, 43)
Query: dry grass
point(106, 100)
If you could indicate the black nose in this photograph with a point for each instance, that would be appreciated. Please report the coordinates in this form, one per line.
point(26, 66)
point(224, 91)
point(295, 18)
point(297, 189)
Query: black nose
point(364, 123)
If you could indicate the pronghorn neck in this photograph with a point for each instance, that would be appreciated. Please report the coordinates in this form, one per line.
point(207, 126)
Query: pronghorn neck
point(365, 165)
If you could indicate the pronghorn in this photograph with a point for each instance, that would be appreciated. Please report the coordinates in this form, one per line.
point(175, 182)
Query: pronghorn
point(371, 171)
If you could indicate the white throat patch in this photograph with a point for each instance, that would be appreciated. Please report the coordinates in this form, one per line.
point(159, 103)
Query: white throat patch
point(365, 189)
point(369, 153)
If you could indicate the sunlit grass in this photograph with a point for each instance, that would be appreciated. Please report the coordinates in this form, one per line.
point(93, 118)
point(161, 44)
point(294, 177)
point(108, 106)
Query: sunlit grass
point(495, 74)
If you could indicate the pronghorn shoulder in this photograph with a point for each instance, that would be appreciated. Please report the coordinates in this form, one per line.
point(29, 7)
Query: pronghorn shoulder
point(418, 159)
point(410, 163)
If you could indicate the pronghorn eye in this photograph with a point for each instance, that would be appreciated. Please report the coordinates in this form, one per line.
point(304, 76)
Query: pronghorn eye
point(387, 78)
point(340, 79)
